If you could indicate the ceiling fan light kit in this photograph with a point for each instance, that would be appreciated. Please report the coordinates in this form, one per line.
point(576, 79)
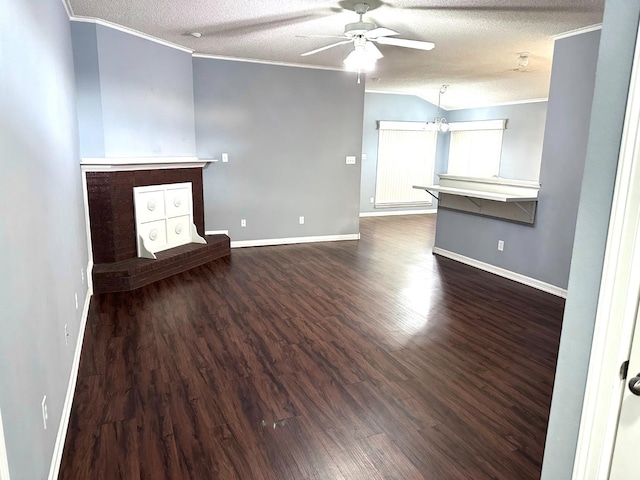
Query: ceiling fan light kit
point(363, 34)
point(363, 57)
point(440, 123)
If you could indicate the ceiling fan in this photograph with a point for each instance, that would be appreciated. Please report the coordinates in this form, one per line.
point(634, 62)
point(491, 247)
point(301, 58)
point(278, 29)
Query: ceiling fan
point(363, 35)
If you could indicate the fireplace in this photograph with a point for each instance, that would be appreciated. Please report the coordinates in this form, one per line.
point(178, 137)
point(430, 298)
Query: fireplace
point(164, 218)
point(110, 185)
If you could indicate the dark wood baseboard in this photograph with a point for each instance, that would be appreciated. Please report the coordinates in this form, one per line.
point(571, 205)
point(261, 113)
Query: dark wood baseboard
point(136, 272)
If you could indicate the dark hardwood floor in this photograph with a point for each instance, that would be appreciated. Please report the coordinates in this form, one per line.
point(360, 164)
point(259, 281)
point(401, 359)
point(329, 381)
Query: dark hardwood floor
point(344, 360)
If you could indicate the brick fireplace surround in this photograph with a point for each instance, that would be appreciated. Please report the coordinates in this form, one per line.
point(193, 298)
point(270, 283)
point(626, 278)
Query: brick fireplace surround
point(109, 197)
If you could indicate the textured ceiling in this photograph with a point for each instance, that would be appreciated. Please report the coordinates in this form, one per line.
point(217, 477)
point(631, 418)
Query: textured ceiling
point(477, 41)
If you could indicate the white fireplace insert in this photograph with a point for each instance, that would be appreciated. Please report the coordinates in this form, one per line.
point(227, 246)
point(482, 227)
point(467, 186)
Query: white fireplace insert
point(164, 218)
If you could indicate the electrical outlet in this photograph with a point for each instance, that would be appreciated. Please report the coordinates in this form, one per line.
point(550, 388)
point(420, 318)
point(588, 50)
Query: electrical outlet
point(76, 298)
point(66, 334)
point(225, 157)
point(364, 157)
point(243, 222)
point(500, 245)
point(45, 413)
point(301, 220)
point(371, 200)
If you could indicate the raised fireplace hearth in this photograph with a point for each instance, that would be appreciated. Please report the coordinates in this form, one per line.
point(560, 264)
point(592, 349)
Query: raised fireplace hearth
point(111, 210)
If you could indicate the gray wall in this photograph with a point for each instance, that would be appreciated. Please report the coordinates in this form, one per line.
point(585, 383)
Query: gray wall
point(42, 230)
point(521, 141)
point(542, 251)
point(609, 101)
point(135, 96)
point(287, 132)
point(407, 108)
point(88, 95)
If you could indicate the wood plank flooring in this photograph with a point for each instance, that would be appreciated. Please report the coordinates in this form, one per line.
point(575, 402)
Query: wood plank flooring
point(345, 360)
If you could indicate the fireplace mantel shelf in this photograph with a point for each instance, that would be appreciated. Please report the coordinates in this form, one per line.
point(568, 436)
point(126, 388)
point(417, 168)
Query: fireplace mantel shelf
point(119, 164)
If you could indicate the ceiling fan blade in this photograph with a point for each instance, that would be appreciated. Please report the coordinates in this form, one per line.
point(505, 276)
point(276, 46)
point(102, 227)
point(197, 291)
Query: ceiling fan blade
point(372, 50)
point(380, 32)
point(401, 42)
point(497, 9)
point(321, 36)
point(326, 47)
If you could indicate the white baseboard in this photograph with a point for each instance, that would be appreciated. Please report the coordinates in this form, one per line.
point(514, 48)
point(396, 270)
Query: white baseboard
point(216, 232)
point(386, 213)
point(4, 462)
point(54, 469)
point(288, 241)
point(89, 273)
point(516, 277)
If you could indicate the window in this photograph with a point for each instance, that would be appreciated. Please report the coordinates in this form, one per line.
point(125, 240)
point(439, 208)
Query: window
point(406, 157)
point(475, 148)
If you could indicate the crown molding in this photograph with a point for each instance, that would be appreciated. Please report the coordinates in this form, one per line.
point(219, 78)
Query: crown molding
point(268, 62)
point(503, 104)
point(130, 31)
point(389, 92)
point(67, 7)
point(578, 31)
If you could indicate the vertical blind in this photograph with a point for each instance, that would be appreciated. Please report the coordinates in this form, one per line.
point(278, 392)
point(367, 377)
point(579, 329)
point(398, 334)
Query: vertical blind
point(476, 152)
point(405, 158)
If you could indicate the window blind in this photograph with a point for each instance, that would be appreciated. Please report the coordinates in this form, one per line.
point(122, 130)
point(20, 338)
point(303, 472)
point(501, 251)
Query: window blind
point(405, 158)
point(475, 153)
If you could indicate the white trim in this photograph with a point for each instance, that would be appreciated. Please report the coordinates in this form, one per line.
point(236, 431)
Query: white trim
point(54, 468)
point(269, 62)
point(407, 126)
point(69, 10)
point(119, 164)
point(137, 160)
point(140, 166)
point(87, 226)
point(500, 124)
point(617, 303)
point(4, 461)
point(516, 277)
point(89, 275)
point(450, 109)
point(130, 31)
point(502, 104)
point(216, 232)
point(412, 94)
point(389, 213)
point(292, 240)
point(387, 92)
point(578, 31)
point(492, 180)
point(506, 197)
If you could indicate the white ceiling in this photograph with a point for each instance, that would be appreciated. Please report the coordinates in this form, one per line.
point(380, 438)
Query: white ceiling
point(477, 41)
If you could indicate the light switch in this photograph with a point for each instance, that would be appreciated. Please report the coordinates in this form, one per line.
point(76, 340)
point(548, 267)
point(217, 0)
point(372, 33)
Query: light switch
point(225, 157)
point(351, 160)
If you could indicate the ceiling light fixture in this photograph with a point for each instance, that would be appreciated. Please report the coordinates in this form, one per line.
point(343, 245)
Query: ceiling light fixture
point(440, 123)
point(362, 58)
point(523, 61)
point(195, 34)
